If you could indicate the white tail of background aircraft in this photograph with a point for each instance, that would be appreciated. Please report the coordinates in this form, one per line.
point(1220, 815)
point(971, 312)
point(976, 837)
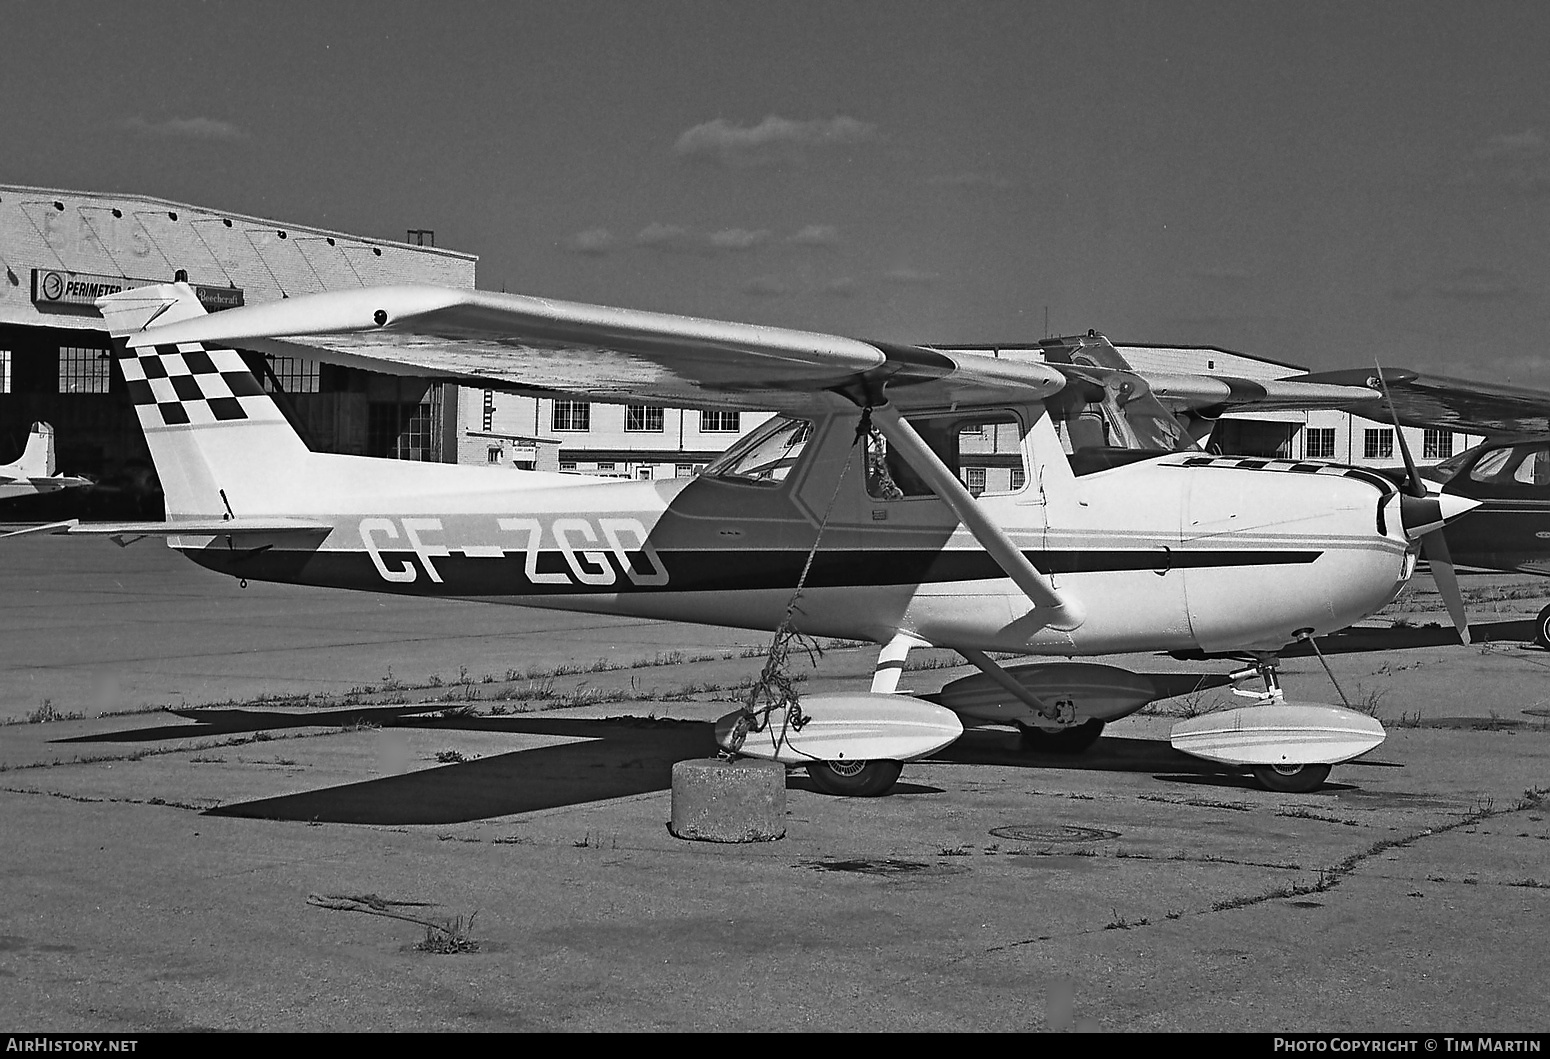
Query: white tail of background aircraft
point(37, 460)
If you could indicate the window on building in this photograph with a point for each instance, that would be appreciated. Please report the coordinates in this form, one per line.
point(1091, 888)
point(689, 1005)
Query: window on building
point(489, 411)
point(605, 466)
point(294, 374)
point(645, 474)
point(5, 371)
point(683, 470)
point(1319, 443)
point(401, 431)
point(643, 417)
point(493, 455)
point(83, 369)
point(1378, 444)
point(974, 478)
point(719, 422)
point(572, 415)
point(1436, 444)
point(1019, 479)
point(567, 465)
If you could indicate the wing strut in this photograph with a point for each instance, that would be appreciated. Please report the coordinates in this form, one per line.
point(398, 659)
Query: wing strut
point(1058, 611)
point(1008, 682)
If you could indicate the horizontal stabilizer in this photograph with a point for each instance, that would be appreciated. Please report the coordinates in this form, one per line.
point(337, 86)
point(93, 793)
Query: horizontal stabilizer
point(195, 527)
point(181, 528)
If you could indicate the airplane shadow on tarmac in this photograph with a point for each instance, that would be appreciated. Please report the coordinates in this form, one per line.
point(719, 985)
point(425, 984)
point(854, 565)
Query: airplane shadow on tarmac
point(615, 758)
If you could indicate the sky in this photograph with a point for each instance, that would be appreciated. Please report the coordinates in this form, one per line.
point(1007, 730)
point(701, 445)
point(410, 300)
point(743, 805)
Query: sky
point(1317, 183)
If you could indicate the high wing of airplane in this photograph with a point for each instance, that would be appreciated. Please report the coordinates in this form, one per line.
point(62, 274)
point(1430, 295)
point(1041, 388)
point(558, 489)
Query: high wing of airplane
point(842, 516)
point(34, 473)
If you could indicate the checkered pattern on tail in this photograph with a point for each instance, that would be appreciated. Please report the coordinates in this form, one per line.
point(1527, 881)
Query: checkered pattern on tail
point(188, 385)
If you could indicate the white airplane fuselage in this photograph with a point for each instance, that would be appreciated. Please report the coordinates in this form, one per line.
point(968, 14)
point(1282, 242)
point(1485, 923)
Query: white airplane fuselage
point(1177, 552)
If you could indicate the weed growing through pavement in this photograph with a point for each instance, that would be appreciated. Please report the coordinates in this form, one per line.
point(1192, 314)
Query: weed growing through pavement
point(450, 938)
point(46, 713)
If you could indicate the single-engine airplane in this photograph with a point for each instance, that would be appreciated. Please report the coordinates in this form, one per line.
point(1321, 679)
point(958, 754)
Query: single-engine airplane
point(843, 516)
point(34, 472)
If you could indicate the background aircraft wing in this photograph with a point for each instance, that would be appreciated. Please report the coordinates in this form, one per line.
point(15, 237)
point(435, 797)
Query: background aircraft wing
point(1222, 393)
point(543, 347)
point(1456, 404)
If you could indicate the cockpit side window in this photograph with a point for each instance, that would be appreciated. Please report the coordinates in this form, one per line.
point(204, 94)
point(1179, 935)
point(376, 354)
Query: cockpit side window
point(1534, 469)
point(984, 449)
point(766, 456)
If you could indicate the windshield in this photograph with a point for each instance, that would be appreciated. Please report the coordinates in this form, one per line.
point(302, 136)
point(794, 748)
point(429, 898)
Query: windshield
point(1445, 470)
point(766, 455)
point(1111, 417)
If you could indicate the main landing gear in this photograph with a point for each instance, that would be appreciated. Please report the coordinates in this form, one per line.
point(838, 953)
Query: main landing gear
point(855, 779)
point(1070, 740)
point(1542, 629)
point(1291, 779)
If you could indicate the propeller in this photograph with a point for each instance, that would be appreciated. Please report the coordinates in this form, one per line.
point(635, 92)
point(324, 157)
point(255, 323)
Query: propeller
point(1423, 514)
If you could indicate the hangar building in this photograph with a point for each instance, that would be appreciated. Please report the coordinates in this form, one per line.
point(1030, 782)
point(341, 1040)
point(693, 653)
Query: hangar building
point(60, 250)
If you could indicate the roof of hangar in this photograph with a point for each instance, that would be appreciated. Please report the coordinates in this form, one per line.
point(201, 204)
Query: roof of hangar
point(145, 239)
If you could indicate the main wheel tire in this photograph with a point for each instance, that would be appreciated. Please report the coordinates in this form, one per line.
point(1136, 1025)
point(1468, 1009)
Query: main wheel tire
point(1542, 629)
point(1073, 740)
point(1291, 779)
point(854, 779)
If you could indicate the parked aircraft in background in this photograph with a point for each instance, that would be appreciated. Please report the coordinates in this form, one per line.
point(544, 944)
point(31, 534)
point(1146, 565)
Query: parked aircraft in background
point(34, 472)
point(842, 516)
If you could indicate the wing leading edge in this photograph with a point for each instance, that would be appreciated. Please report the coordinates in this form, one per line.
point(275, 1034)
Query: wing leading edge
point(554, 348)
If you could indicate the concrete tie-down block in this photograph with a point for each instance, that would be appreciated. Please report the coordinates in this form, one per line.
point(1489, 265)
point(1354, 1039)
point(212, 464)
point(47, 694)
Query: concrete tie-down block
point(729, 801)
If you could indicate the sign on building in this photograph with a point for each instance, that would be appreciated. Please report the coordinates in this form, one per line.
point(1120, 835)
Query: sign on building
point(57, 287)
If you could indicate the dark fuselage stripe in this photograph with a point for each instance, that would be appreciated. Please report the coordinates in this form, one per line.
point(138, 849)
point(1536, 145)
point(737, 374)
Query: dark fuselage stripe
point(699, 571)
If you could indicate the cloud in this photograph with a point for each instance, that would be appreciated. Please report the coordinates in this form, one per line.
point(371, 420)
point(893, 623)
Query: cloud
point(677, 239)
point(667, 237)
point(815, 235)
point(1476, 285)
point(986, 181)
point(184, 128)
point(910, 276)
point(594, 241)
point(737, 239)
point(1526, 144)
point(774, 141)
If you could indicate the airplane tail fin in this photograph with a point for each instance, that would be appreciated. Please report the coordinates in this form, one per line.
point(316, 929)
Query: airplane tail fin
point(221, 445)
point(38, 457)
